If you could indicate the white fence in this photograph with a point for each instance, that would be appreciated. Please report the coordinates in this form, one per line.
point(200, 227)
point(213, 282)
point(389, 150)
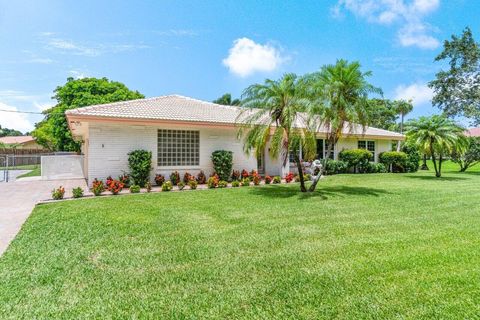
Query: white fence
point(62, 167)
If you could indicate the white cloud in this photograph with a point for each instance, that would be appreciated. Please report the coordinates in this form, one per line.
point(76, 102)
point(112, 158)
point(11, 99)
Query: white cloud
point(419, 93)
point(410, 14)
point(247, 57)
point(13, 120)
point(77, 74)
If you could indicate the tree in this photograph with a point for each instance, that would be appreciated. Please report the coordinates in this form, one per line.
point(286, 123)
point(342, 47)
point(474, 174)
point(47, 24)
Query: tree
point(226, 100)
point(53, 131)
point(468, 154)
point(402, 108)
point(456, 91)
point(437, 136)
point(5, 132)
point(270, 116)
point(340, 98)
point(382, 114)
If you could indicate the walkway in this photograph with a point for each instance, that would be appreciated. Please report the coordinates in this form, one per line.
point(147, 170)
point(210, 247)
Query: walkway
point(17, 200)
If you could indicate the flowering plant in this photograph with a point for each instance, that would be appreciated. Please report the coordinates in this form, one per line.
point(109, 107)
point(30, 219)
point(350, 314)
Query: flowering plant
point(245, 182)
point(256, 179)
point(213, 181)
point(97, 187)
point(289, 177)
point(193, 184)
point(57, 194)
point(222, 184)
point(268, 179)
point(235, 175)
point(277, 179)
point(187, 177)
point(175, 178)
point(201, 178)
point(159, 179)
point(114, 186)
point(125, 179)
point(167, 186)
point(245, 174)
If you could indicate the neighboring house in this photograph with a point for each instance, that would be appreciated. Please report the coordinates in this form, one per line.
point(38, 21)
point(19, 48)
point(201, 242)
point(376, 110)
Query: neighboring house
point(473, 132)
point(182, 133)
point(20, 142)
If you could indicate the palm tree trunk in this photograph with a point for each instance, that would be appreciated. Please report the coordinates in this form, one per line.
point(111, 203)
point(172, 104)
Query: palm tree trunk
point(399, 143)
point(300, 173)
point(440, 159)
point(424, 165)
point(434, 162)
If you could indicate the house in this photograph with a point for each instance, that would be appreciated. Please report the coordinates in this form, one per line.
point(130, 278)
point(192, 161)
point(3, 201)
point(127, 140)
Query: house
point(473, 132)
point(21, 142)
point(182, 133)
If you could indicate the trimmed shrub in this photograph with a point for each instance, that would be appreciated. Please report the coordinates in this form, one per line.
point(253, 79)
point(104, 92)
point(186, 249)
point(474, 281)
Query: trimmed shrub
point(335, 167)
point(212, 182)
point(167, 186)
point(193, 184)
point(222, 184)
point(159, 179)
point(222, 163)
point(235, 175)
point(181, 185)
point(148, 185)
point(140, 164)
point(57, 194)
point(175, 178)
point(268, 179)
point(372, 167)
point(135, 188)
point(77, 192)
point(355, 158)
point(413, 157)
point(97, 187)
point(235, 183)
point(277, 180)
point(245, 182)
point(394, 161)
point(201, 178)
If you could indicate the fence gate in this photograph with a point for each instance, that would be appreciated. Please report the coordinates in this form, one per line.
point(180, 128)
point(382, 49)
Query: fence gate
point(13, 165)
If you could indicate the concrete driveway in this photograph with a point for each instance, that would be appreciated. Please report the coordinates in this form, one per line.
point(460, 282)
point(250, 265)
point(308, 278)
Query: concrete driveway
point(17, 200)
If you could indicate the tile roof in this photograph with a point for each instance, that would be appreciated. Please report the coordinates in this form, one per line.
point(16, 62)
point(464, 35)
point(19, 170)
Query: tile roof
point(473, 132)
point(180, 108)
point(16, 139)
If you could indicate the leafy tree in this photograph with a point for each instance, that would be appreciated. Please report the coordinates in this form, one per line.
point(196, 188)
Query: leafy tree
point(226, 100)
point(467, 155)
point(277, 103)
point(456, 90)
point(53, 130)
point(340, 98)
point(437, 136)
point(382, 114)
point(5, 132)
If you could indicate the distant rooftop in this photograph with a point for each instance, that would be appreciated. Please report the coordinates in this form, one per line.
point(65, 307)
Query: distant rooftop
point(473, 132)
point(16, 139)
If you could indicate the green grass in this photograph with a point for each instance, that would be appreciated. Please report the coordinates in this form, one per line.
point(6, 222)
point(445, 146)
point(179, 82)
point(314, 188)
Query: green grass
point(34, 173)
point(22, 167)
point(374, 246)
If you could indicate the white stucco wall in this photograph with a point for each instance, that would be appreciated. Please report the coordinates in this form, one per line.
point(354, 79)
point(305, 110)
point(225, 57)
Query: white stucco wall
point(109, 144)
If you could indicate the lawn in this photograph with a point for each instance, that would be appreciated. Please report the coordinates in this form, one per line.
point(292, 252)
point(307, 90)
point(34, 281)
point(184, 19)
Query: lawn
point(34, 173)
point(364, 246)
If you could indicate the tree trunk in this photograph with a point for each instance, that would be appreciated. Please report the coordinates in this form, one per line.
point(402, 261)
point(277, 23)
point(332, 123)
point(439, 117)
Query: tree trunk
point(434, 162)
point(440, 159)
point(300, 173)
point(315, 181)
point(424, 165)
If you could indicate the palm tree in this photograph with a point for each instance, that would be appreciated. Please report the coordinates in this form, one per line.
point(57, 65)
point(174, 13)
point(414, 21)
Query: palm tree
point(340, 96)
point(227, 100)
point(403, 108)
point(272, 114)
point(436, 136)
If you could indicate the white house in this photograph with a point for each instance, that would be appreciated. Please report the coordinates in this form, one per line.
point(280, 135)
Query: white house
point(182, 133)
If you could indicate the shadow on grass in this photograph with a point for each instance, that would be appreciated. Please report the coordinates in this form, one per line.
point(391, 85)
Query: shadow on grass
point(443, 178)
point(287, 191)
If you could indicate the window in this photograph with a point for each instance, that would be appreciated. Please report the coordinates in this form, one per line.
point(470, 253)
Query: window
point(368, 145)
point(178, 148)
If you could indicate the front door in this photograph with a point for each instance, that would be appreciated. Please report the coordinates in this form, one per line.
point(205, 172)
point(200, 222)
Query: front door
point(261, 164)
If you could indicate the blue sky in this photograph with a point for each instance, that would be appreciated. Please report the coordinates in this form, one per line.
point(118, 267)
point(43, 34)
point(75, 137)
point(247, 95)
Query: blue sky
point(203, 49)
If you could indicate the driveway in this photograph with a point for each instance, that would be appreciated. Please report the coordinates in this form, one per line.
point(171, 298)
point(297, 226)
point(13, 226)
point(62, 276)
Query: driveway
point(17, 200)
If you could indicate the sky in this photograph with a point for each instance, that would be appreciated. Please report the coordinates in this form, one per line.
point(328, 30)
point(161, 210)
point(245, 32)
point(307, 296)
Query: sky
point(203, 49)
